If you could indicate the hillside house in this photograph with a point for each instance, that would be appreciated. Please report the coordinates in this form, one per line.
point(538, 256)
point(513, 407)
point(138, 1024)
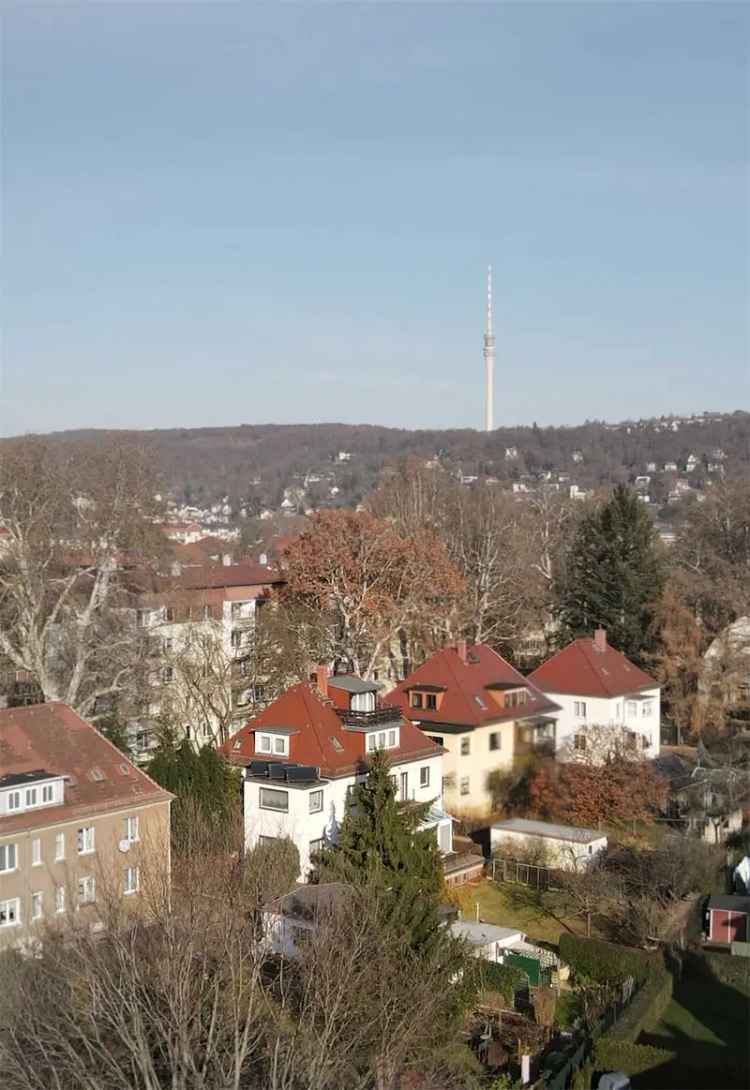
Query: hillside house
point(307, 750)
point(595, 685)
point(484, 713)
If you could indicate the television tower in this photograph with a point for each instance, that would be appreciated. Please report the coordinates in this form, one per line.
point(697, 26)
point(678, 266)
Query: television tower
point(489, 359)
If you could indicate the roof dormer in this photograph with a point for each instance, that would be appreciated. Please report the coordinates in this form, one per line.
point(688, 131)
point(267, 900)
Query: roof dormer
point(24, 791)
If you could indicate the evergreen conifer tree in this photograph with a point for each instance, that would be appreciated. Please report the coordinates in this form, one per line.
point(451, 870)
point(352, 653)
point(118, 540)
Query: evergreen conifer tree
point(381, 846)
point(613, 575)
point(203, 783)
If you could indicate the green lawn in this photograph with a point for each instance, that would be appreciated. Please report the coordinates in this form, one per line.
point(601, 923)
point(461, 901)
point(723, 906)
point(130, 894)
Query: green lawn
point(707, 1026)
point(516, 906)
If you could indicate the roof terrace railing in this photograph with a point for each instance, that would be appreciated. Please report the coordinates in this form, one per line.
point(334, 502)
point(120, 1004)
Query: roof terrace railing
point(388, 713)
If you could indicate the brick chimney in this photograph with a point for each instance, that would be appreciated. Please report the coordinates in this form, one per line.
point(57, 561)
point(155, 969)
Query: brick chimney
point(600, 640)
point(461, 650)
point(321, 680)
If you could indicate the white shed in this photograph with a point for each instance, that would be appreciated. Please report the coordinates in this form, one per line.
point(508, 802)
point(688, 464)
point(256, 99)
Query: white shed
point(486, 940)
point(566, 847)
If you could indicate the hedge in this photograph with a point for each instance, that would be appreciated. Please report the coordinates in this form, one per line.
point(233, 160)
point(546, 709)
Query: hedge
point(645, 1009)
point(730, 970)
point(628, 1057)
point(605, 961)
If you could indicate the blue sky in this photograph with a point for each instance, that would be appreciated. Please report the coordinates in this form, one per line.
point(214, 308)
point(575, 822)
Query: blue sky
point(235, 213)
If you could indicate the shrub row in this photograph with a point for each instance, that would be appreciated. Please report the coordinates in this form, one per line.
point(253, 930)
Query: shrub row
point(605, 961)
point(734, 971)
point(645, 1009)
point(628, 1057)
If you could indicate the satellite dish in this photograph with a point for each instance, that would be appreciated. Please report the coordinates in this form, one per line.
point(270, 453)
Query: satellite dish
point(124, 845)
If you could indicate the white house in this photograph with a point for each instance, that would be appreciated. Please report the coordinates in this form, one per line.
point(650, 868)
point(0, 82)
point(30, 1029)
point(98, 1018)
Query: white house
point(566, 847)
point(306, 751)
point(596, 686)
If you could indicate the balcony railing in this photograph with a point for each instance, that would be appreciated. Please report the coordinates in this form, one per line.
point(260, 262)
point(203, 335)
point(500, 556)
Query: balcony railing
point(389, 713)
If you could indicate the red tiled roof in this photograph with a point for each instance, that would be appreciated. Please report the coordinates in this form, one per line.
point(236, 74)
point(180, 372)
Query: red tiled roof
point(303, 710)
point(210, 576)
point(199, 552)
point(467, 699)
point(580, 669)
point(55, 738)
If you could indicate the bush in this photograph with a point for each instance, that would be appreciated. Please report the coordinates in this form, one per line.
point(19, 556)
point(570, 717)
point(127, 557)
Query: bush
point(582, 1077)
point(605, 961)
point(611, 1055)
point(504, 979)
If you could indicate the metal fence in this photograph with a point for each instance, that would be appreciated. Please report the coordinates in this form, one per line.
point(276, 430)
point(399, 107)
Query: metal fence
point(525, 874)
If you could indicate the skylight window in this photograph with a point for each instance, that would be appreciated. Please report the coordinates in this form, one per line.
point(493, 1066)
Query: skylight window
point(336, 744)
point(480, 702)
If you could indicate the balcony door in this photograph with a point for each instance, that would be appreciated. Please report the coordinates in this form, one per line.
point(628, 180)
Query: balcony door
point(404, 786)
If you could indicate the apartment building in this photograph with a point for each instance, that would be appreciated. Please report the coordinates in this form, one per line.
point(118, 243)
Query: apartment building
point(484, 714)
point(78, 822)
point(596, 686)
point(306, 751)
point(201, 621)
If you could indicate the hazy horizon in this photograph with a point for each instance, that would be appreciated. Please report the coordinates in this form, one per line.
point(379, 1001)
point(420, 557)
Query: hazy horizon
point(285, 212)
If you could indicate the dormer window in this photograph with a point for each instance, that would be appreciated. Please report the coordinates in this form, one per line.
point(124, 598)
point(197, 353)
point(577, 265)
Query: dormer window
point(516, 698)
point(362, 702)
point(419, 698)
point(383, 739)
point(277, 744)
point(42, 791)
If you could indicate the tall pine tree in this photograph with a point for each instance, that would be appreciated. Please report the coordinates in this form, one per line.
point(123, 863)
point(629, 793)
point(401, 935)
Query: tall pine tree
point(613, 575)
point(381, 846)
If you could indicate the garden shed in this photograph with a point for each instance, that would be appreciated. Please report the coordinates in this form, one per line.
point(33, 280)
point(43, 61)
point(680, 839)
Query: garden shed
point(728, 917)
point(564, 847)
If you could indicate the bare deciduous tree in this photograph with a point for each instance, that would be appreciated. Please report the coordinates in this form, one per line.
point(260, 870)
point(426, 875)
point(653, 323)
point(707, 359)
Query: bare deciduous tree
point(73, 515)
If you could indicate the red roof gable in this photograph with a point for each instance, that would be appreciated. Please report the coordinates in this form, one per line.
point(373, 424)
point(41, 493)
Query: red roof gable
point(56, 739)
point(585, 668)
point(466, 687)
point(320, 737)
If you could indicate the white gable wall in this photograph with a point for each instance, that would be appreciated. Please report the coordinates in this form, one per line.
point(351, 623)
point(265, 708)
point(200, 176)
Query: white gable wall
point(608, 712)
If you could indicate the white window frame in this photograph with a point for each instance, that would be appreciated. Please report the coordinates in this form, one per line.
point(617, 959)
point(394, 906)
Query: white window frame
point(59, 899)
point(36, 852)
point(268, 742)
point(86, 889)
point(631, 707)
point(464, 786)
point(48, 793)
point(31, 797)
point(392, 739)
point(264, 792)
point(14, 801)
point(579, 709)
point(132, 832)
point(37, 905)
point(316, 797)
point(131, 885)
point(86, 840)
point(9, 850)
point(59, 847)
point(11, 907)
point(647, 708)
point(372, 743)
point(424, 776)
point(465, 747)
